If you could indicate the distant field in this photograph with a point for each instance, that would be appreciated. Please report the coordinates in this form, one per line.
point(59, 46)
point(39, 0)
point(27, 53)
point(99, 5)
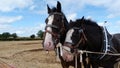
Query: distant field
point(27, 54)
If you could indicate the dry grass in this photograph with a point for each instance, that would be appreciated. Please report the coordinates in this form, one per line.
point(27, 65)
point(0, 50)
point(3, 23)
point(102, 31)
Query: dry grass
point(27, 54)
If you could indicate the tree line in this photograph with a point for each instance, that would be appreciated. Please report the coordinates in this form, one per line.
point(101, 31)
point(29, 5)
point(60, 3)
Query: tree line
point(6, 36)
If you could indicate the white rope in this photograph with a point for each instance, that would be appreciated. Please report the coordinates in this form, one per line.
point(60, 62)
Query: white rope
point(81, 58)
point(84, 51)
point(59, 45)
point(57, 57)
point(75, 60)
point(66, 48)
point(81, 52)
point(61, 51)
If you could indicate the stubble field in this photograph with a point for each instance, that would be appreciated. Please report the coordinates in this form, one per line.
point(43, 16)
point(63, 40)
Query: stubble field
point(26, 54)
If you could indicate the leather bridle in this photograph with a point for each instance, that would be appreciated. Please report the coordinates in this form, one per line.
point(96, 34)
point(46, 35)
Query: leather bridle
point(82, 41)
point(56, 36)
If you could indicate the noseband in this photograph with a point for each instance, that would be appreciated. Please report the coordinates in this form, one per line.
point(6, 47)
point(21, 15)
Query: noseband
point(56, 35)
point(82, 40)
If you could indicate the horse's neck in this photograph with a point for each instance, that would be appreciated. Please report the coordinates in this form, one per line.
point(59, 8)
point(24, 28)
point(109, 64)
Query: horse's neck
point(116, 42)
point(100, 41)
point(62, 38)
point(95, 41)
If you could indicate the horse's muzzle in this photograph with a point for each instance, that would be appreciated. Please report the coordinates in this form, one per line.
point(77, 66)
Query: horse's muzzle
point(48, 46)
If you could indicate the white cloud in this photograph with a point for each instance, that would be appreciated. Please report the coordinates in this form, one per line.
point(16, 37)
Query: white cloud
point(41, 12)
point(3, 26)
point(111, 16)
point(27, 31)
point(19, 32)
point(110, 6)
point(32, 7)
point(42, 26)
point(101, 23)
point(10, 5)
point(71, 16)
point(113, 27)
point(113, 6)
point(23, 31)
point(34, 29)
point(89, 17)
point(8, 19)
point(70, 8)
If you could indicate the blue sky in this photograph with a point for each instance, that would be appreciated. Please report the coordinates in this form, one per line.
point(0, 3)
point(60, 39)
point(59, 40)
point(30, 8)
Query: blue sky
point(26, 17)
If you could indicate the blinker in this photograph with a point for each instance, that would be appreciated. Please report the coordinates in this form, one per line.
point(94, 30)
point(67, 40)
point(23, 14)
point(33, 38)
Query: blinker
point(81, 30)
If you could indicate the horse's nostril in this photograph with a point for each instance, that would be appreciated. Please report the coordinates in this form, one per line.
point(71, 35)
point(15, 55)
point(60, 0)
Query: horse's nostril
point(49, 43)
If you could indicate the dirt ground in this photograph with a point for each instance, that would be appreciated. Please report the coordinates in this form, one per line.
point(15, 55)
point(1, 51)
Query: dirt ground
point(26, 54)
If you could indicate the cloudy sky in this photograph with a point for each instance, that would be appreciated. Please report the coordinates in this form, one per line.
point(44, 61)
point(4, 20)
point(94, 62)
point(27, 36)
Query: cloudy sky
point(26, 17)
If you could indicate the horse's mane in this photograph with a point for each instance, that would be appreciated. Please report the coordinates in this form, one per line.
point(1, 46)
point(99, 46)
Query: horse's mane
point(78, 23)
point(54, 9)
point(90, 22)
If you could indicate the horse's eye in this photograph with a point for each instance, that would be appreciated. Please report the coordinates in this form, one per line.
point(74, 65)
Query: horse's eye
point(75, 35)
point(55, 28)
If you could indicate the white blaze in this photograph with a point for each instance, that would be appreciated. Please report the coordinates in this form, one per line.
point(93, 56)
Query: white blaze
point(48, 37)
point(69, 35)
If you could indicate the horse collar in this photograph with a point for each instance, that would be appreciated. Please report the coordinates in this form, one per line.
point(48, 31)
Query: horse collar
point(106, 44)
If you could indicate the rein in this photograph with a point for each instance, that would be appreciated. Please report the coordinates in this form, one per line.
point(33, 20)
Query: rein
point(83, 39)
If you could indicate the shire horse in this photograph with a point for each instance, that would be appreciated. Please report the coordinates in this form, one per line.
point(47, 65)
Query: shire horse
point(55, 32)
point(85, 34)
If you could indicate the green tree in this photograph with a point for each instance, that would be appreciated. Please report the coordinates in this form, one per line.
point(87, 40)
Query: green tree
point(14, 35)
point(40, 34)
point(0, 35)
point(32, 36)
point(5, 35)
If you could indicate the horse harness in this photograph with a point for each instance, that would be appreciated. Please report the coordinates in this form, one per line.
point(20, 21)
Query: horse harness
point(107, 45)
point(83, 39)
point(75, 49)
point(56, 35)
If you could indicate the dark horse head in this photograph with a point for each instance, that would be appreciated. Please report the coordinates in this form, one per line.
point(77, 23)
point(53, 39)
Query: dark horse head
point(85, 31)
point(83, 34)
point(56, 25)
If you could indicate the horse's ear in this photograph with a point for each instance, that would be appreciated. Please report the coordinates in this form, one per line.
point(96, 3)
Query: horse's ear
point(70, 21)
point(82, 18)
point(48, 8)
point(58, 6)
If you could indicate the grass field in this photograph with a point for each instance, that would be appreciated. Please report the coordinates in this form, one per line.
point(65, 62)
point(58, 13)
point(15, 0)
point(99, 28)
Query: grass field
point(27, 54)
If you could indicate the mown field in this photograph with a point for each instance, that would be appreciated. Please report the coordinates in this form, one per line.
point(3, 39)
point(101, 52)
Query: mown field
point(26, 54)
